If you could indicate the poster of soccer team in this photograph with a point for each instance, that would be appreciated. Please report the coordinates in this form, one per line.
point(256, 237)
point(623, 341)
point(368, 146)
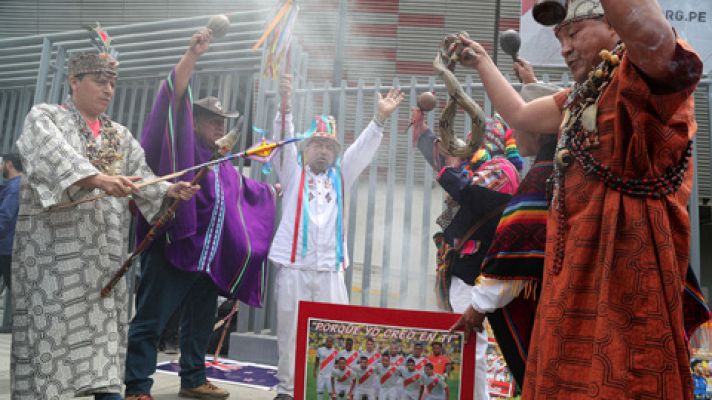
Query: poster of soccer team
point(361, 358)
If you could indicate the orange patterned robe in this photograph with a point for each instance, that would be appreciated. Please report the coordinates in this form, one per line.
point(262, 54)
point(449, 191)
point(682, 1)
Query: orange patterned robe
point(610, 324)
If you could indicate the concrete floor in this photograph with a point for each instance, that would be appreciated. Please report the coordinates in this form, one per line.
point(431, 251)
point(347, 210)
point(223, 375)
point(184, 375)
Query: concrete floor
point(165, 387)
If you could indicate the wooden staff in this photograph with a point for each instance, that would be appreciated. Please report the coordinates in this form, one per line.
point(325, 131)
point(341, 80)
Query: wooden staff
point(262, 150)
point(103, 195)
point(225, 327)
point(155, 229)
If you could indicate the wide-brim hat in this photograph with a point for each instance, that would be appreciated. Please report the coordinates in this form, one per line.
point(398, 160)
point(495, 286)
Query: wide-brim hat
point(579, 10)
point(212, 105)
point(323, 129)
point(92, 62)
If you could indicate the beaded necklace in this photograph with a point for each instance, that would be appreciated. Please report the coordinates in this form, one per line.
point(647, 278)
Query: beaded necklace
point(107, 157)
point(579, 134)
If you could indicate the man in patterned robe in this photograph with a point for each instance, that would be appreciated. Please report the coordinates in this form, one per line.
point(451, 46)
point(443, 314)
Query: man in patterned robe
point(68, 341)
point(610, 321)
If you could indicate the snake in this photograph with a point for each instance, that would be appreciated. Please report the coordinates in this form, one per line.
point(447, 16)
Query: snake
point(444, 64)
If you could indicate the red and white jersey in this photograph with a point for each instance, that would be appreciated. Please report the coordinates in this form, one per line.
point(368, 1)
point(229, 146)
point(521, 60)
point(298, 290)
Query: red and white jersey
point(419, 362)
point(350, 356)
point(327, 358)
point(434, 384)
point(387, 377)
point(365, 377)
point(411, 380)
point(373, 357)
point(344, 377)
point(398, 360)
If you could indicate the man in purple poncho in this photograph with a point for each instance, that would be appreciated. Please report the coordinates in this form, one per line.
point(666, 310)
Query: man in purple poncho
point(217, 243)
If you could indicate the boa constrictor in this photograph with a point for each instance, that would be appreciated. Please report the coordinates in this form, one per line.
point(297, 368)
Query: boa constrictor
point(444, 65)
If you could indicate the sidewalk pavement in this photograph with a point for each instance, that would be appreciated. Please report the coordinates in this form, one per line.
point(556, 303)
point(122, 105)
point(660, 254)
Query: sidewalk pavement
point(165, 386)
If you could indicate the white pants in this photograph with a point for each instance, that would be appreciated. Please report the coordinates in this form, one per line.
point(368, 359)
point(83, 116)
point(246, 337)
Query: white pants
point(460, 299)
point(323, 384)
point(404, 395)
point(360, 392)
point(391, 393)
point(338, 389)
point(291, 286)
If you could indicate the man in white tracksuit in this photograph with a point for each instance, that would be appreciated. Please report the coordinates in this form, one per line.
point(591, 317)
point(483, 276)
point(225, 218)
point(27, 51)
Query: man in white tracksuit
point(309, 248)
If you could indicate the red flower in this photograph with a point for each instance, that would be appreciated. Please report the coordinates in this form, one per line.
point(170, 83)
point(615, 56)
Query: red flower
point(103, 35)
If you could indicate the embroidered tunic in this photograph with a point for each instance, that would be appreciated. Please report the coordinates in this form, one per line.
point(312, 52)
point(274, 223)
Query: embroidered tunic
point(611, 324)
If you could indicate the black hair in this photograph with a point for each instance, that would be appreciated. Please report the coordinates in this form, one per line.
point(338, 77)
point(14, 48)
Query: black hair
point(15, 159)
point(429, 365)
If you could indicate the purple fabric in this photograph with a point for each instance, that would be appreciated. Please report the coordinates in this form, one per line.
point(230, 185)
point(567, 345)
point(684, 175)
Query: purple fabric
point(228, 236)
point(230, 371)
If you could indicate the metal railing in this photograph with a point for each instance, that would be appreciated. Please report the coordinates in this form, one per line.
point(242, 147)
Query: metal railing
point(390, 211)
point(33, 69)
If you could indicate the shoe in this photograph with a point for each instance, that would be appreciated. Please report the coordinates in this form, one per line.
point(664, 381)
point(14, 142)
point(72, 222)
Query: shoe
point(283, 396)
point(138, 397)
point(205, 391)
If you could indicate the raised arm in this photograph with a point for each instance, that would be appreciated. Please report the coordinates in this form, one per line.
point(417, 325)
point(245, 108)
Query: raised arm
point(361, 152)
point(285, 162)
point(539, 116)
point(648, 37)
point(199, 44)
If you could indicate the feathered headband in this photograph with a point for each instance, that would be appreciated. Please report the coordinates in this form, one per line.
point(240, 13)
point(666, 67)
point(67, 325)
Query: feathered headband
point(104, 61)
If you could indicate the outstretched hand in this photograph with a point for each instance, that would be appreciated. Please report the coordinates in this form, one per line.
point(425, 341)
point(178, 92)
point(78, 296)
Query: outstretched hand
point(113, 185)
point(388, 104)
point(200, 41)
point(469, 321)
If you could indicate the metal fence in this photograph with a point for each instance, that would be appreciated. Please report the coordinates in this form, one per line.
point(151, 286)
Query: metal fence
point(390, 211)
point(33, 69)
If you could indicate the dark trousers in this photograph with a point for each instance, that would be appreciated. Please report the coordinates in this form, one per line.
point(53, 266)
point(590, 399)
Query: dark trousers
point(5, 264)
point(161, 291)
point(6, 298)
point(170, 335)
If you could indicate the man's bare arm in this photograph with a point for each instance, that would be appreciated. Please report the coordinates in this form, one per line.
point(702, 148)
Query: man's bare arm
point(649, 38)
